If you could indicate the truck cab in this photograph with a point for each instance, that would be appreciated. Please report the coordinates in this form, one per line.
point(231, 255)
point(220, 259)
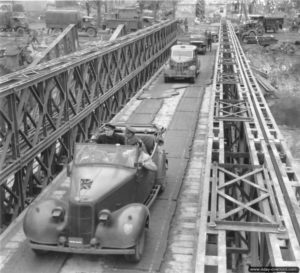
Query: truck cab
point(200, 41)
point(183, 63)
point(250, 28)
point(13, 21)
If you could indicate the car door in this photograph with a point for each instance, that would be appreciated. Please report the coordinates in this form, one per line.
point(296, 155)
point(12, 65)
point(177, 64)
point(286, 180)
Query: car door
point(145, 180)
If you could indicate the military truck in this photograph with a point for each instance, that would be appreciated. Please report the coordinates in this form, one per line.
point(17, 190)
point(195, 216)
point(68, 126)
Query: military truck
point(250, 28)
point(130, 17)
point(200, 41)
point(269, 23)
point(57, 20)
point(13, 21)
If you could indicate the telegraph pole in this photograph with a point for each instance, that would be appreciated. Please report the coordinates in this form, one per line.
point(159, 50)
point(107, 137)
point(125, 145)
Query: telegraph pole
point(200, 9)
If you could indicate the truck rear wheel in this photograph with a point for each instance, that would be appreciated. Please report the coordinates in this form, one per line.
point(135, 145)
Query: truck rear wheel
point(20, 31)
point(91, 32)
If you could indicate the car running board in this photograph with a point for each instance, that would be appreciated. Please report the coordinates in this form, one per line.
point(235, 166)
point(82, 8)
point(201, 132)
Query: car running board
point(152, 196)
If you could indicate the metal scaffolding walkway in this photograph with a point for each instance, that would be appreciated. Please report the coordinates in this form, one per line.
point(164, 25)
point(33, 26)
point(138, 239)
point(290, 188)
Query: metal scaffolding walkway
point(250, 201)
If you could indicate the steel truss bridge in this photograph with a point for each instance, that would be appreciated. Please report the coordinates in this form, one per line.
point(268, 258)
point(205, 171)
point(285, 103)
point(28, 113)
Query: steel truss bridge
point(250, 210)
point(46, 108)
point(249, 206)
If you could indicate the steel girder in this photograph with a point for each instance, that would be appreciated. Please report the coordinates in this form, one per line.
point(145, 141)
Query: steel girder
point(49, 108)
point(243, 214)
point(66, 43)
point(119, 31)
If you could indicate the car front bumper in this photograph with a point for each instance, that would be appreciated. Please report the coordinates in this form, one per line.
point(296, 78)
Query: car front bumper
point(84, 249)
point(179, 74)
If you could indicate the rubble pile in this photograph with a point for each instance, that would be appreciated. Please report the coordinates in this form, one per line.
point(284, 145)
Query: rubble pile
point(283, 69)
point(278, 66)
point(286, 47)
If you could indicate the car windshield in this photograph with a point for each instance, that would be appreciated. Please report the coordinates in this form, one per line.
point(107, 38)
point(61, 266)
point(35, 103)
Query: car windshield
point(182, 53)
point(91, 153)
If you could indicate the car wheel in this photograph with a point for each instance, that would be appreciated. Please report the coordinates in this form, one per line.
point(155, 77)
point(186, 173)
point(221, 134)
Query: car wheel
point(91, 32)
point(139, 249)
point(20, 31)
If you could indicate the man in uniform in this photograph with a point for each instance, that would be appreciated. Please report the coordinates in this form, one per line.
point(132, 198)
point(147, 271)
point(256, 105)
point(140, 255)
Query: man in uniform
point(110, 136)
point(209, 40)
point(144, 158)
point(132, 139)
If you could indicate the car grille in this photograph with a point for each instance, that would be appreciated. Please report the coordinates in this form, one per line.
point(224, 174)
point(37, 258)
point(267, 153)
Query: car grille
point(180, 67)
point(81, 222)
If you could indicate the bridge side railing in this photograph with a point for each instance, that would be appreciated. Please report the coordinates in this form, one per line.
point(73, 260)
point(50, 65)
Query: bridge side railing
point(55, 104)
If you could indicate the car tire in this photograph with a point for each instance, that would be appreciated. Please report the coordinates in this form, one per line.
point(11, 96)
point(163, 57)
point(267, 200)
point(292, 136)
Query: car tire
point(91, 32)
point(20, 31)
point(139, 249)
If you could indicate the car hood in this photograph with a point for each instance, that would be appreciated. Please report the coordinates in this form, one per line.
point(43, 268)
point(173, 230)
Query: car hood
point(94, 182)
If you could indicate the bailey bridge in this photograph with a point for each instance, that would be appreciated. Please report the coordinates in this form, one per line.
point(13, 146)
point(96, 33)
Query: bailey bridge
point(245, 190)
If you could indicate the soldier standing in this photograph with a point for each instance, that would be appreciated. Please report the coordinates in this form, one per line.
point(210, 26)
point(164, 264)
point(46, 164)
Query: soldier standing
point(186, 25)
point(209, 40)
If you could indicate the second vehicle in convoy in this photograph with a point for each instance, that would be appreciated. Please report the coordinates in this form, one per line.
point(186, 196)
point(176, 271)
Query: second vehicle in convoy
point(183, 63)
point(200, 41)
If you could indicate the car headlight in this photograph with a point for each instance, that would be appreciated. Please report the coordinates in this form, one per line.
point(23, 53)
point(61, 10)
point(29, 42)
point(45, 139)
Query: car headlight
point(104, 216)
point(58, 214)
point(192, 67)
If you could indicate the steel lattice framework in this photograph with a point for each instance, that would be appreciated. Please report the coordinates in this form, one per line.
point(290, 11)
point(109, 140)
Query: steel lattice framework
point(66, 43)
point(249, 212)
point(51, 106)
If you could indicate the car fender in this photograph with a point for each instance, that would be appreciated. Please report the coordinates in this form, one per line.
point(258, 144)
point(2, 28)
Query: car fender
point(39, 224)
point(162, 164)
point(124, 227)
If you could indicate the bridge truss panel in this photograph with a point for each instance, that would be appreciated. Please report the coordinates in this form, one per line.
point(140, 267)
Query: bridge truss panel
point(66, 43)
point(55, 104)
point(245, 217)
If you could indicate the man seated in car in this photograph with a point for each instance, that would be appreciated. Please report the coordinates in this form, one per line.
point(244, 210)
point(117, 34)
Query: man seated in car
point(132, 139)
point(110, 136)
point(144, 159)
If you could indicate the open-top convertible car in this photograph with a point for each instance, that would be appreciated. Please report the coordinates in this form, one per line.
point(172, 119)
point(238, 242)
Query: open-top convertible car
point(105, 209)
